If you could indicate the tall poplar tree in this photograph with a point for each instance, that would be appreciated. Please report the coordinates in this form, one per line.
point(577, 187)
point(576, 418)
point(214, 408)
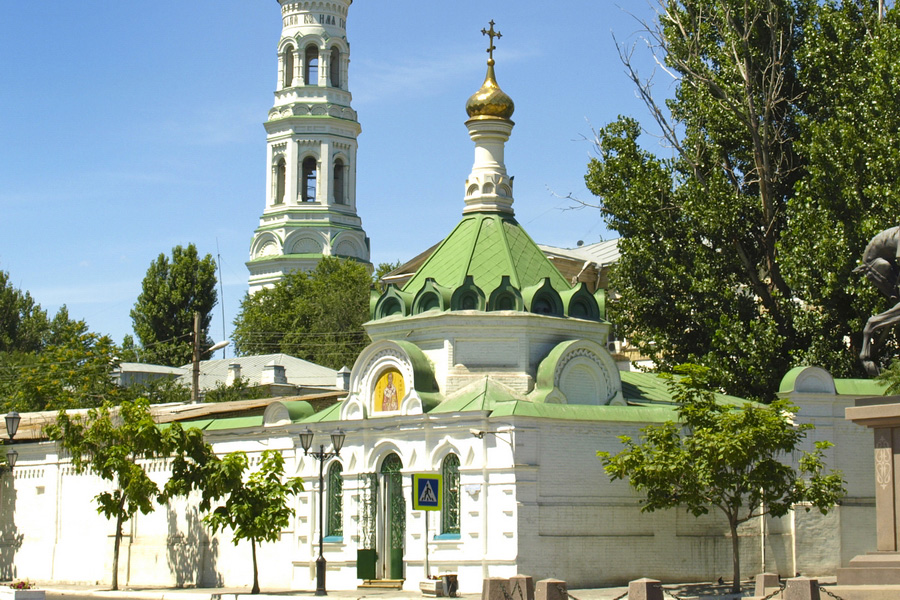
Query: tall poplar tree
point(738, 248)
point(163, 316)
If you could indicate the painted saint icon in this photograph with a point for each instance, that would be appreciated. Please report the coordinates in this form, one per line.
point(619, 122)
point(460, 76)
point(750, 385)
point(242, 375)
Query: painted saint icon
point(389, 391)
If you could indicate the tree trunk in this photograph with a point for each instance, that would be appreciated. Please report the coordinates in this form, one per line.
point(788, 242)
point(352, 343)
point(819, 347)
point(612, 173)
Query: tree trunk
point(117, 543)
point(255, 589)
point(735, 557)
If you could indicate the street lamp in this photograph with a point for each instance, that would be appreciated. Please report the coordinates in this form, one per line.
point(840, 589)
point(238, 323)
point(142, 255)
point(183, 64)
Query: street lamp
point(337, 441)
point(12, 426)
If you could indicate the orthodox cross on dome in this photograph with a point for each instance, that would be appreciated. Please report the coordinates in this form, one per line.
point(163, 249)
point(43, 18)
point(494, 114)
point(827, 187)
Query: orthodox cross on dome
point(492, 34)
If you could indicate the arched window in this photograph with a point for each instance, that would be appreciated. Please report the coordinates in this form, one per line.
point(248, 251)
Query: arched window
point(339, 197)
point(309, 179)
point(311, 75)
point(334, 68)
point(280, 171)
point(335, 514)
point(450, 512)
point(287, 60)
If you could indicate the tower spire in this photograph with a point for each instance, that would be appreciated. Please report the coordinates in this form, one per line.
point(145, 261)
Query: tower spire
point(489, 188)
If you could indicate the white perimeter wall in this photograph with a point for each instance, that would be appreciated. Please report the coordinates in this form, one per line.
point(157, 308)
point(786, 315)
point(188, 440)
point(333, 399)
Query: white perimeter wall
point(534, 500)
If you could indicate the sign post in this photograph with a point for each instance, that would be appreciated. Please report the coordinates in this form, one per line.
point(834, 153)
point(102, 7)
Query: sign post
point(426, 492)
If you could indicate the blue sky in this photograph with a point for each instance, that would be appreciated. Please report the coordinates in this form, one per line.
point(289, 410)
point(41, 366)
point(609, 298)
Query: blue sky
point(129, 127)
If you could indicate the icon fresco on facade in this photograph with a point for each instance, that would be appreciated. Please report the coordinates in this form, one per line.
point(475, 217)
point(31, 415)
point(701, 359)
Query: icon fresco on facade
point(389, 391)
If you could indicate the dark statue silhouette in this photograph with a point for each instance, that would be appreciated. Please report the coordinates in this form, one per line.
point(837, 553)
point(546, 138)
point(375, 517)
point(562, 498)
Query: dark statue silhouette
point(882, 267)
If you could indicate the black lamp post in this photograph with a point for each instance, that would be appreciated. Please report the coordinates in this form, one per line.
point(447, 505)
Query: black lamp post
point(337, 441)
point(12, 426)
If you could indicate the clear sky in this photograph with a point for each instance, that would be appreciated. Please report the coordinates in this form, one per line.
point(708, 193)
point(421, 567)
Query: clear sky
point(127, 128)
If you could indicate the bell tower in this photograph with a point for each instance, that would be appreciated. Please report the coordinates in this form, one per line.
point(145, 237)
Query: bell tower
point(311, 146)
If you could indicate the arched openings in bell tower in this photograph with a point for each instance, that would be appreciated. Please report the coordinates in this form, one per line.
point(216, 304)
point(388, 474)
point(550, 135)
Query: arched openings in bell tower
point(287, 62)
point(311, 65)
point(340, 182)
point(334, 67)
point(308, 177)
point(280, 179)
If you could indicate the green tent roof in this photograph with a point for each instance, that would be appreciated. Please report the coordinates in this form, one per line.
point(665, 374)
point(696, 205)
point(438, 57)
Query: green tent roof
point(487, 246)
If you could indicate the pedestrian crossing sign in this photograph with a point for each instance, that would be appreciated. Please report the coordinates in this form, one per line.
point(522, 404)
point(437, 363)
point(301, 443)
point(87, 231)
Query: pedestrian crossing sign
point(426, 491)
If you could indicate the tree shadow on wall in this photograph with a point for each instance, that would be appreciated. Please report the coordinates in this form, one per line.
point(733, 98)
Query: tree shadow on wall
point(10, 538)
point(191, 555)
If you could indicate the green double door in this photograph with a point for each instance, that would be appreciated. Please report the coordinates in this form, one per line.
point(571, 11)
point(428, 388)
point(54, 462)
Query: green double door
point(383, 519)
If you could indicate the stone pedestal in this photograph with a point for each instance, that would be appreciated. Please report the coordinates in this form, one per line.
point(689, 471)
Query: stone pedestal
point(766, 583)
point(882, 567)
point(801, 588)
point(645, 589)
point(551, 589)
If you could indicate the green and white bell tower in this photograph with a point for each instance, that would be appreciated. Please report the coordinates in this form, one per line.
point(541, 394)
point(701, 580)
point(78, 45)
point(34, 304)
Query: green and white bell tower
point(310, 149)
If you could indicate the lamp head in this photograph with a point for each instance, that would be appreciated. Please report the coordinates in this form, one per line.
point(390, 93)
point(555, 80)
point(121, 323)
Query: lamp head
point(11, 457)
point(306, 439)
point(337, 440)
point(12, 424)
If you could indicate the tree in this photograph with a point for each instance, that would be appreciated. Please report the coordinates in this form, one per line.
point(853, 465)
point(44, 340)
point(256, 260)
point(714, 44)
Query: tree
point(745, 232)
point(73, 368)
point(724, 458)
point(256, 509)
point(109, 442)
point(317, 316)
point(163, 316)
point(23, 324)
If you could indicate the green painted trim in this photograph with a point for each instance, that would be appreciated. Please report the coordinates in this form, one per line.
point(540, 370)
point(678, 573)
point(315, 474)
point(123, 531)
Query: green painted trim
point(333, 539)
point(286, 257)
point(447, 536)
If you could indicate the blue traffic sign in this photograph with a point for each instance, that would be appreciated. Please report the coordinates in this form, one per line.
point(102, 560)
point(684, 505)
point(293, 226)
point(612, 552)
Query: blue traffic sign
point(426, 491)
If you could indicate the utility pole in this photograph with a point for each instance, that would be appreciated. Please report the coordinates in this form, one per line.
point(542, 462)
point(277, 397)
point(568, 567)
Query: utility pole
point(195, 380)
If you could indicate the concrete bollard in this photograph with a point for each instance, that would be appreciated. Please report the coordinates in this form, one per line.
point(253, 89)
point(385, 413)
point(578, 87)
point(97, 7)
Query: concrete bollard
point(525, 589)
point(494, 588)
point(801, 588)
point(766, 583)
point(551, 589)
point(645, 589)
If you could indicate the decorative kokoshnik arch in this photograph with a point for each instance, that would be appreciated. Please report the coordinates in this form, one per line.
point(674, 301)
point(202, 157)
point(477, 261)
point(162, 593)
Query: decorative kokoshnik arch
point(390, 378)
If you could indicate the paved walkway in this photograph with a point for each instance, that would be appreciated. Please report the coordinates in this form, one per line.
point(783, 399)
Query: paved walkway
point(696, 591)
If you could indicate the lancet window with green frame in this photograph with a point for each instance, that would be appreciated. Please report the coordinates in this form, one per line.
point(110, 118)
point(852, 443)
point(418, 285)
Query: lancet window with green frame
point(335, 516)
point(450, 509)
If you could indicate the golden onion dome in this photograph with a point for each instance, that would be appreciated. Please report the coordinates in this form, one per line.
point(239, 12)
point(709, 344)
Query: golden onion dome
point(490, 100)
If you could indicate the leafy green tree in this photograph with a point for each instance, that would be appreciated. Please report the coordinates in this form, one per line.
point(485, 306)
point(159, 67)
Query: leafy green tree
point(109, 442)
point(317, 316)
point(163, 316)
point(848, 135)
point(76, 372)
point(723, 458)
point(380, 271)
point(23, 324)
point(745, 232)
point(256, 507)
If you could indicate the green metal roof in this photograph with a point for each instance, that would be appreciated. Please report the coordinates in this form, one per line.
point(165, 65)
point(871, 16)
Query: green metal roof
point(584, 412)
point(650, 388)
point(860, 387)
point(487, 246)
point(486, 394)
